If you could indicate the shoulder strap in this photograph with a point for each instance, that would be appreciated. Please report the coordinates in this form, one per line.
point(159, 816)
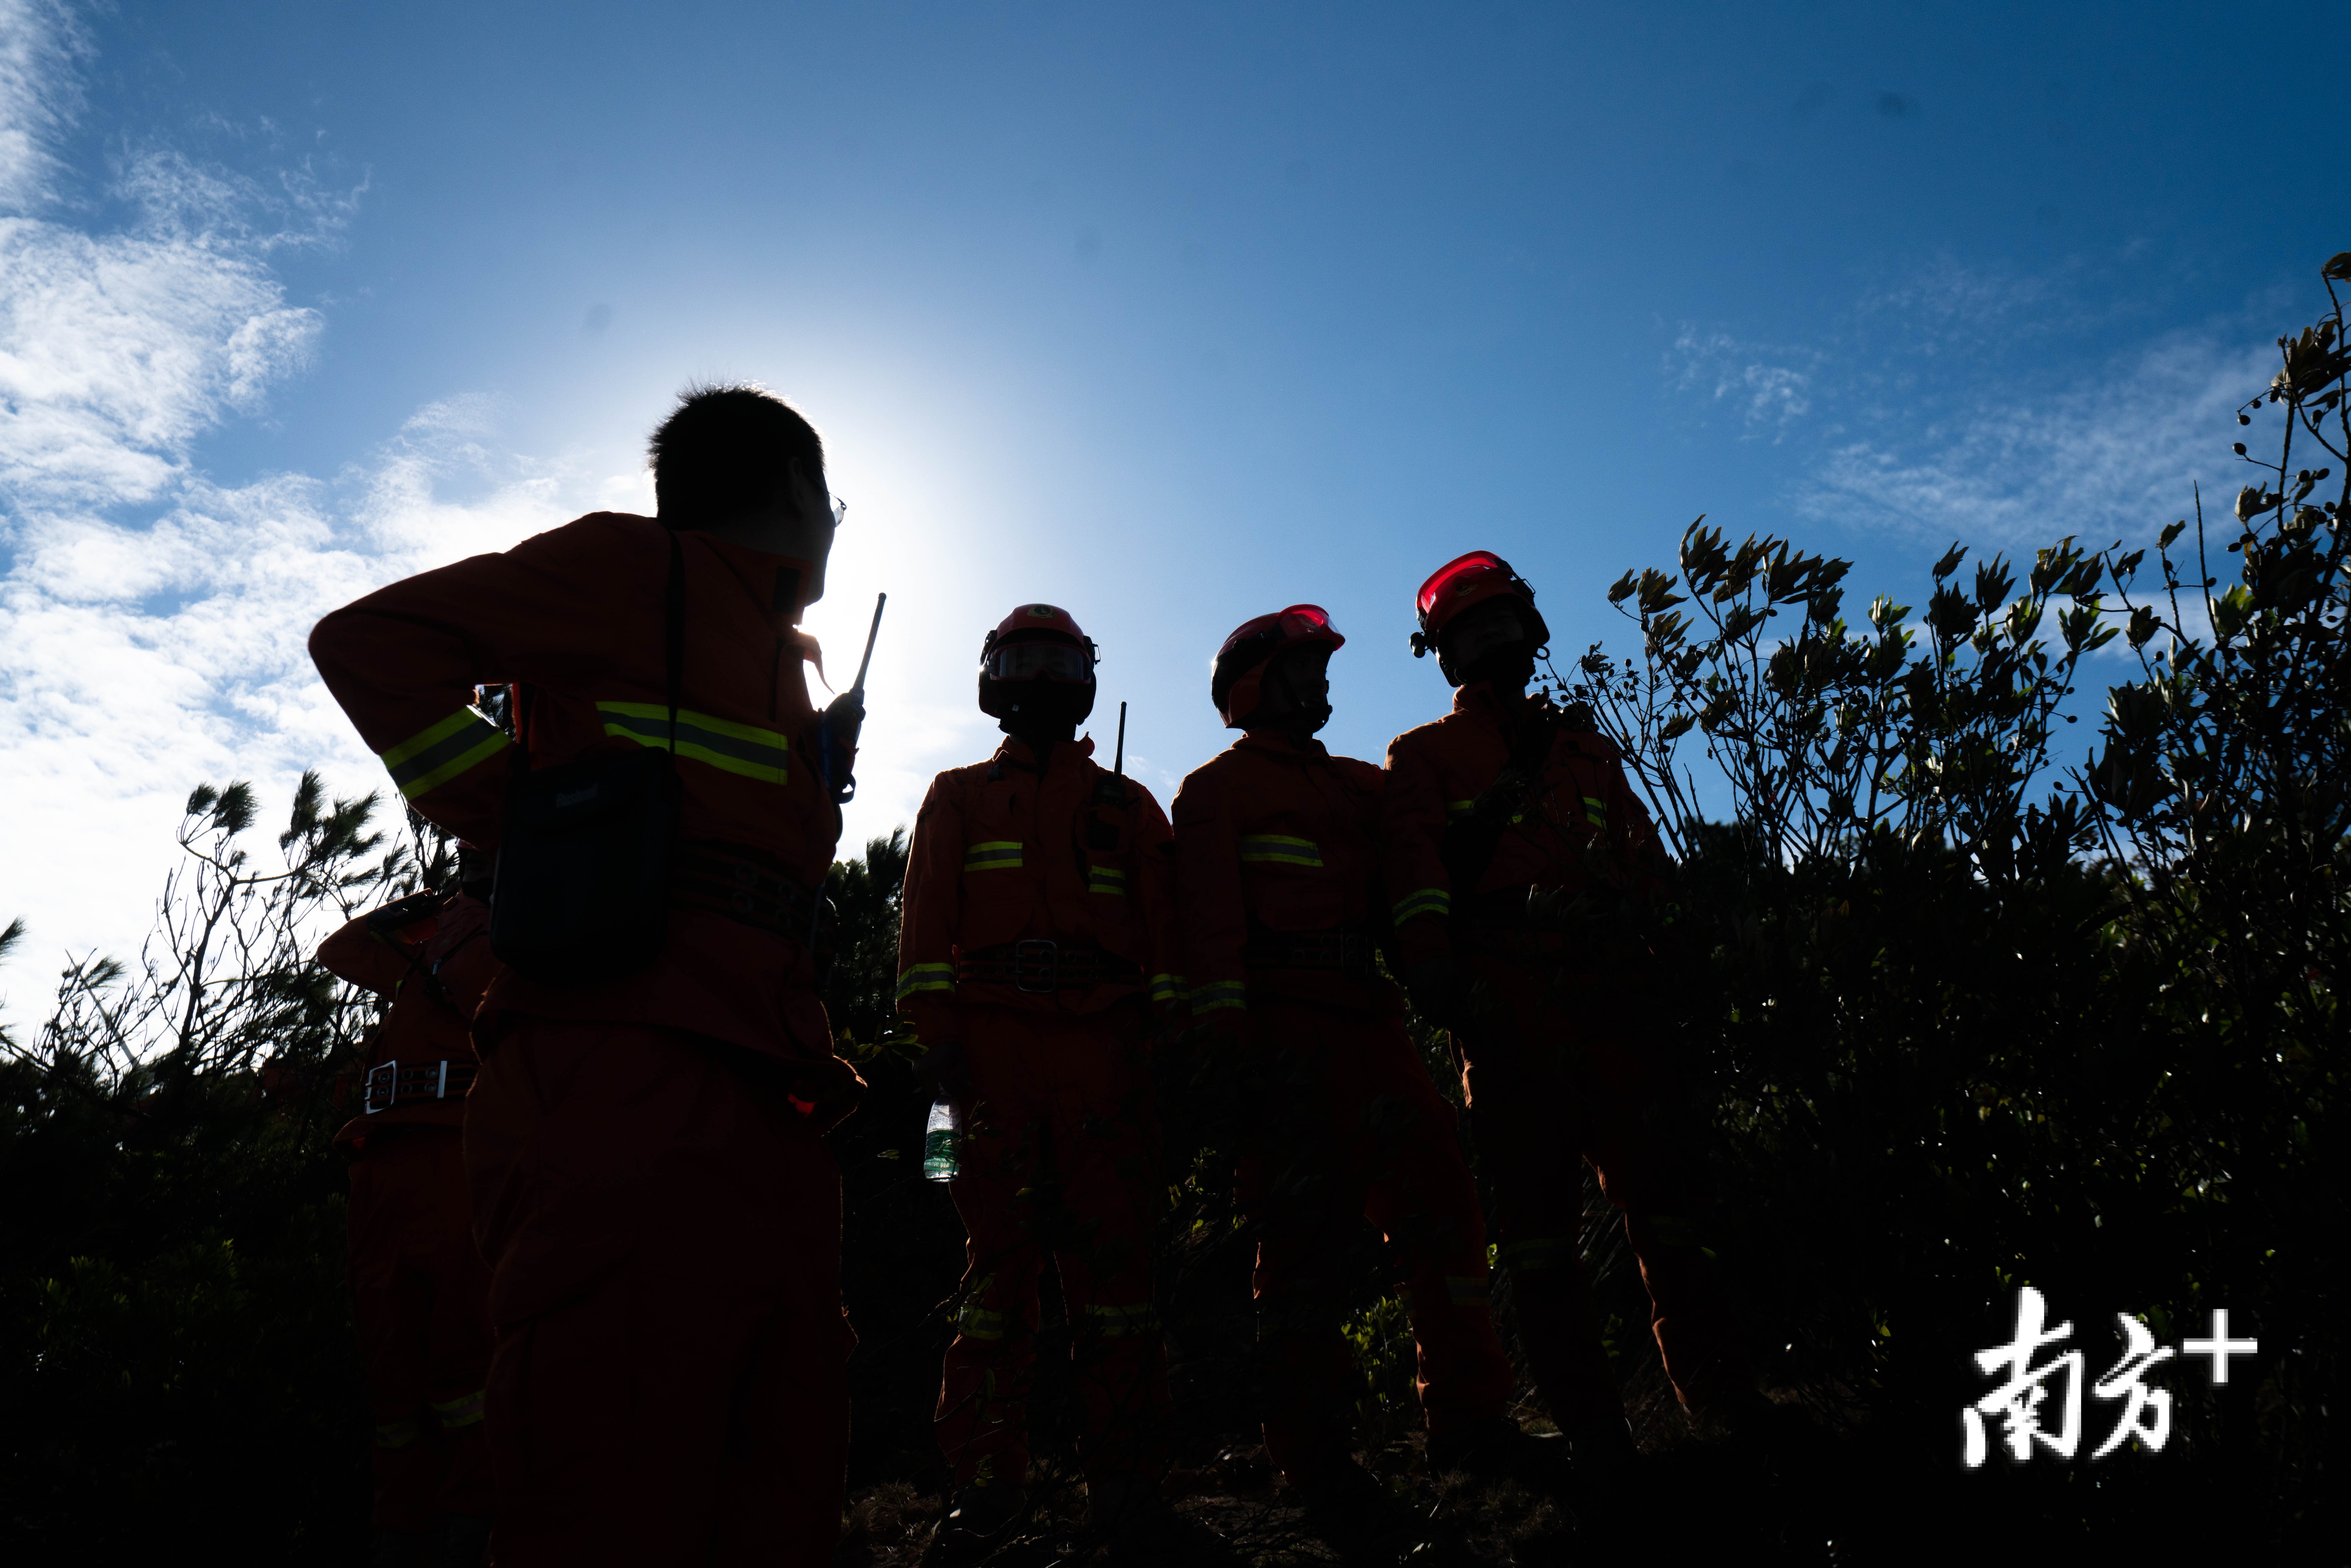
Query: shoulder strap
point(674, 639)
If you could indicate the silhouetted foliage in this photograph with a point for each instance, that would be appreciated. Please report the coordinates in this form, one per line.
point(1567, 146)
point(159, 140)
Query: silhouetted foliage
point(1961, 1007)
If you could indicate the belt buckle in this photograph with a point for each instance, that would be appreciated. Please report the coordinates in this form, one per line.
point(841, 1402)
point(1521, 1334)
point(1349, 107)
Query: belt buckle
point(387, 1076)
point(1043, 948)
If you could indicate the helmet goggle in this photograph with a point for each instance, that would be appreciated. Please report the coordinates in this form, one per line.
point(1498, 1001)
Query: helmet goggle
point(1466, 575)
point(1037, 662)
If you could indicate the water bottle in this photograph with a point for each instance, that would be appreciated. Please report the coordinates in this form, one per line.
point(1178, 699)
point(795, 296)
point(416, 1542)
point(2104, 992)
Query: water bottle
point(939, 1142)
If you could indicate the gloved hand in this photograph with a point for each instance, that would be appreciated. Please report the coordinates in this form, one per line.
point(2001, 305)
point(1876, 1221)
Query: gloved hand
point(1440, 990)
point(943, 1071)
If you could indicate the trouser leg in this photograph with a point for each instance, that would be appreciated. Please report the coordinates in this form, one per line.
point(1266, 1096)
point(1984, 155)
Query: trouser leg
point(457, 1343)
point(393, 1307)
point(982, 1419)
point(1633, 1145)
point(669, 1380)
point(1527, 1121)
point(1106, 1138)
point(1299, 1191)
point(1418, 1193)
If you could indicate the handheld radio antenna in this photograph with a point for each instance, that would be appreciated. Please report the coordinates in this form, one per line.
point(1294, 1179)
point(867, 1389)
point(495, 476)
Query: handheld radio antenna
point(871, 632)
point(1118, 760)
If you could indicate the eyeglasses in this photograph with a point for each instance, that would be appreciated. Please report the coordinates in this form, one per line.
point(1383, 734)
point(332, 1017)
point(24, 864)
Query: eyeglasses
point(1038, 661)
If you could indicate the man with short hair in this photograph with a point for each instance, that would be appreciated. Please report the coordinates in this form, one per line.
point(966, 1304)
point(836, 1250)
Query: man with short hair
point(1277, 860)
point(649, 1185)
point(1496, 813)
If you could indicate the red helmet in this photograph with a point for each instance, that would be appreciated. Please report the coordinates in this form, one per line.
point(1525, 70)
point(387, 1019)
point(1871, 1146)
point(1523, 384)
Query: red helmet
point(1036, 643)
point(1241, 663)
point(1454, 586)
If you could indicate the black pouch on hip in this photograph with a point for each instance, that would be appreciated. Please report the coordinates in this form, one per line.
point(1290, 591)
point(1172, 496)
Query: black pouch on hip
point(583, 889)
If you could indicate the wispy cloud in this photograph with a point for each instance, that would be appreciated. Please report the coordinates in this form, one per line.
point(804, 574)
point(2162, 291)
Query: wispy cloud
point(2115, 456)
point(1758, 383)
point(153, 621)
point(1998, 408)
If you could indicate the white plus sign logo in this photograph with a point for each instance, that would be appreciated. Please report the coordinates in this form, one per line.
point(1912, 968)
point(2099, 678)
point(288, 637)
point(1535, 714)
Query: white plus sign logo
point(2219, 1347)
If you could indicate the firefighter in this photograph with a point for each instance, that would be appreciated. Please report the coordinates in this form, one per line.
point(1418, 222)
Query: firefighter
point(1277, 860)
point(1030, 952)
point(420, 1294)
point(649, 1186)
point(1498, 814)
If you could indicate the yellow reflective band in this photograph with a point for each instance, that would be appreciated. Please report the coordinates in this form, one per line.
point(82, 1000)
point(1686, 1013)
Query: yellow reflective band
point(1106, 879)
point(433, 756)
point(925, 978)
point(1166, 988)
point(1466, 1290)
point(1218, 994)
point(1117, 1322)
point(1596, 810)
point(461, 1411)
point(1427, 901)
point(1537, 1254)
point(1281, 849)
point(996, 854)
point(399, 1433)
point(741, 748)
point(1460, 808)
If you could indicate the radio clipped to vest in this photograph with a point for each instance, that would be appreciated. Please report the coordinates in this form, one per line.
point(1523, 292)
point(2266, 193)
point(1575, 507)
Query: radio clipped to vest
point(582, 889)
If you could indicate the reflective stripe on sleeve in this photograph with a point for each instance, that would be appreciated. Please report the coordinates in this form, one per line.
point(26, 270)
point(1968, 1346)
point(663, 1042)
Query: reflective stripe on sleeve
point(740, 749)
point(399, 1433)
point(1454, 808)
point(463, 1411)
point(433, 756)
point(996, 854)
point(1280, 848)
point(1217, 994)
point(925, 978)
point(1427, 901)
point(1106, 879)
point(1115, 1323)
point(1596, 810)
point(1166, 988)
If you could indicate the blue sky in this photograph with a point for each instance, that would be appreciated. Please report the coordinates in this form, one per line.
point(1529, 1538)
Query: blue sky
point(1172, 314)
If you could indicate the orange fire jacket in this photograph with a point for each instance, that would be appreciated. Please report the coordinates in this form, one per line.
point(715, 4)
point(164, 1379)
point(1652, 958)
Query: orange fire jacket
point(1272, 839)
point(1002, 857)
point(575, 614)
point(452, 946)
point(1436, 774)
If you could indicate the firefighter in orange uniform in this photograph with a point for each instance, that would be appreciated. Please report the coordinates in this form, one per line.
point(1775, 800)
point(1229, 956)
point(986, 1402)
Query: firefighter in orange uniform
point(418, 1291)
point(643, 1146)
point(1032, 944)
point(1277, 860)
point(1501, 799)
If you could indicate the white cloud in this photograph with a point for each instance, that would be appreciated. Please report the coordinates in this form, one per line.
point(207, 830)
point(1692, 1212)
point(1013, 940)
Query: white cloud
point(40, 44)
point(153, 621)
point(1766, 396)
point(2114, 455)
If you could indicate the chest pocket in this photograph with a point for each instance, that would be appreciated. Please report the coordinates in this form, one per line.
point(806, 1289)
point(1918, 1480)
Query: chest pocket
point(1291, 883)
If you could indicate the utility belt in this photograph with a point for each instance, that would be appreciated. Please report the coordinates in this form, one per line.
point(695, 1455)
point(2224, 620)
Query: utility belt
point(391, 1084)
point(1350, 953)
point(1040, 967)
point(746, 885)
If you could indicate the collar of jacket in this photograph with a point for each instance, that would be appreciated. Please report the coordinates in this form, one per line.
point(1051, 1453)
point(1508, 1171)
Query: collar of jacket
point(1479, 697)
point(1274, 743)
point(1015, 753)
